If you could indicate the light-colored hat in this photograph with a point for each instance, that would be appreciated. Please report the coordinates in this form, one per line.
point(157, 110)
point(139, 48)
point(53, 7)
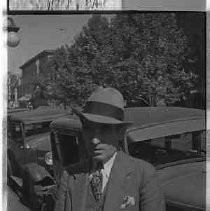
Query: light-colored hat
point(104, 106)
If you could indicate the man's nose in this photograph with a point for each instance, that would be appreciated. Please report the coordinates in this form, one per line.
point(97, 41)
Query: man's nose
point(96, 141)
point(96, 137)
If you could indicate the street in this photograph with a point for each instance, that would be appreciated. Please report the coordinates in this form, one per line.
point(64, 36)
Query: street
point(13, 202)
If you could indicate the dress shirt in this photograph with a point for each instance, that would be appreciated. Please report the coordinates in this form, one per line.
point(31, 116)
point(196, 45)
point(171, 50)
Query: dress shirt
point(106, 170)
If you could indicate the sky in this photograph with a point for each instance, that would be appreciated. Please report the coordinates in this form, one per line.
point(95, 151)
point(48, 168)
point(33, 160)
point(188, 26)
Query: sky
point(42, 32)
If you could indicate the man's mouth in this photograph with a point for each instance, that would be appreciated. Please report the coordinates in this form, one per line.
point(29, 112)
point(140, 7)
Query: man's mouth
point(96, 152)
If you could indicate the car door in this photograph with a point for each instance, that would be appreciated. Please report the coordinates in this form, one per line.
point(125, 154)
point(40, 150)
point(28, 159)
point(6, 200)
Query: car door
point(16, 149)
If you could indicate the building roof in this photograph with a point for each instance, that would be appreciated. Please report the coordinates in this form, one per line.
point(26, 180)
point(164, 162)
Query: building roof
point(41, 54)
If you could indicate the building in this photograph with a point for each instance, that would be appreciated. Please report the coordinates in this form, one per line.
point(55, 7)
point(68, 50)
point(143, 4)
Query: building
point(30, 73)
point(31, 70)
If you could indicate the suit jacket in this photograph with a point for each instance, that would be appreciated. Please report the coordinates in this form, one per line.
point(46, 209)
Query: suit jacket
point(132, 186)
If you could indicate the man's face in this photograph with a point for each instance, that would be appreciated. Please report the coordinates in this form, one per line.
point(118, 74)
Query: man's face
point(101, 140)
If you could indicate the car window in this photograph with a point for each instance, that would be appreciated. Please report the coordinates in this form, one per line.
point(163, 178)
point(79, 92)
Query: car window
point(15, 131)
point(69, 149)
point(171, 148)
point(36, 128)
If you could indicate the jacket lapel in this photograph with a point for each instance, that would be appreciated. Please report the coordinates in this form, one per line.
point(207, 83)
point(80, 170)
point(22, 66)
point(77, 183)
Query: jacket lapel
point(122, 168)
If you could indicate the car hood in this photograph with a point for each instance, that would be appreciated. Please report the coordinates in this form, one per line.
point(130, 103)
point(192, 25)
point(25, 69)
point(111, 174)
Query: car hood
point(39, 142)
point(185, 184)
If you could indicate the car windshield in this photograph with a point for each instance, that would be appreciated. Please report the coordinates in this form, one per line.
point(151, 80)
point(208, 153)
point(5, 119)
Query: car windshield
point(171, 148)
point(30, 129)
point(36, 128)
point(15, 131)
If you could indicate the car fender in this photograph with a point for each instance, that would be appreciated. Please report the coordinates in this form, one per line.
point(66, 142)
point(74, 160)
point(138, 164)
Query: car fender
point(37, 184)
point(36, 173)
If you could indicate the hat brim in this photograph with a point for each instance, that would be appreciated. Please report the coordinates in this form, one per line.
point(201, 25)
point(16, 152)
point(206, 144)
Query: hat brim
point(99, 119)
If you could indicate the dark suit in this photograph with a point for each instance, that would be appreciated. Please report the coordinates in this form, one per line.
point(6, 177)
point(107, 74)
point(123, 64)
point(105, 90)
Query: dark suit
point(129, 177)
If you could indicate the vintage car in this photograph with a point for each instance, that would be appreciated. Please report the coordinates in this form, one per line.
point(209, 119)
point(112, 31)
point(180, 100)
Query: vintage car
point(171, 138)
point(29, 156)
point(174, 141)
point(15, 110)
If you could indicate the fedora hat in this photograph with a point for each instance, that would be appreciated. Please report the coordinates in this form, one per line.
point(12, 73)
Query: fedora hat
point(104, 106)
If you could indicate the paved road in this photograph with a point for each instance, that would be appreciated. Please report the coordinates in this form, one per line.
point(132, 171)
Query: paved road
point(13, 202)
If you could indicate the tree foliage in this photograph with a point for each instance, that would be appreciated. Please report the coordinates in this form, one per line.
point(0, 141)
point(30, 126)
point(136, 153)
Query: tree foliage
point(60, 4)
point(143, 55)
point(13, 83)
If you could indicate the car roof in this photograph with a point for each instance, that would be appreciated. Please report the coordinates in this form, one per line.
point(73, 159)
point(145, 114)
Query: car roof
point(183, 119)
point(176, 127)
point(156, 122)
point(10, 110)
point(39, 115)
point(71, 122)
point(152, 115)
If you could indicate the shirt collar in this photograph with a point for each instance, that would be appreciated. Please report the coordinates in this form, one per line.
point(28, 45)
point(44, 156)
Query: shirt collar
point(108, 165)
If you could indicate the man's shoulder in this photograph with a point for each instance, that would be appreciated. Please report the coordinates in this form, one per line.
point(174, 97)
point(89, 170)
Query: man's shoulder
point(138, 164)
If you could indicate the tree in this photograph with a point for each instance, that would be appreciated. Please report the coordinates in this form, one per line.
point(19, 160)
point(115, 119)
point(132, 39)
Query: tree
point(13, 86)
point(194, 25)
point(143, 55)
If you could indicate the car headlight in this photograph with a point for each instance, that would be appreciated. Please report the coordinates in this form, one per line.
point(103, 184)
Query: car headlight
point(48, 158)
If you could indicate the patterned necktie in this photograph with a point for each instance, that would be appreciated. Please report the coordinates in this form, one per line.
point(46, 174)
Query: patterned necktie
point(96, 184)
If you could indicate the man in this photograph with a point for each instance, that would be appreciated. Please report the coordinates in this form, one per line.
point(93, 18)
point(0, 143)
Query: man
point(110, 180)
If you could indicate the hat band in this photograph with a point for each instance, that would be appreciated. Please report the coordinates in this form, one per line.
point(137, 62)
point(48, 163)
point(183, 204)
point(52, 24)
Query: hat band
point(104, 109)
